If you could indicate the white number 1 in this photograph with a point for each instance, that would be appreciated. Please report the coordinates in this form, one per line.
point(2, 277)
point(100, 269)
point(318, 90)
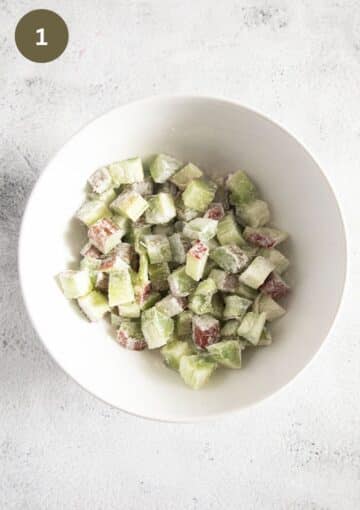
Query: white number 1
point(41, 42)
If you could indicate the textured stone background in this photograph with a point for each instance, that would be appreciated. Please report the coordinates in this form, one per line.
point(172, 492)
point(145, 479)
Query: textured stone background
point(296, 61)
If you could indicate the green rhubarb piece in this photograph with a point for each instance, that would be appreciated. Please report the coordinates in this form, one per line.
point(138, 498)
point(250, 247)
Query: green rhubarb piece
point(127, 171)
point(163, 167)
point(230, 258)
point(196, 370)
point(235, 307)
point(129, 310)
point(266, 304)
point(130, 336)
point(189, 172)
point(200, 301)
point(130, 204)
point(115, 320)
point(184, 213)
point(141, 280)
point(120, 288)
point(265, 339)
point(257, 272)
point(104, 235)
point(75, 284)
point(225, 282)
point(91, 211)
point(253, 214)
point(198, 194)
point(173, 351)
point(158, 248)
point(106, 196)
point(163, 230)
point(100, 181)
point(157, 327)
point(252, 326)
point(265, 237)
point(183, 324)
point(180, 283)
point(159, 274)
point(150, 300)
point(203, 229)
point(241, 188)
point(122, 222)
point(145, 188)
point(227, 353)
point(196, 259)
point(94, 305)
point(230, 329)
point(171, 305)
point(179, 247)
point(217, 305)
point(161, 209)
point(245, 291)
point(136, 235)
point(92, 267)
point(209, 266)
point(228, 231)
point(280, 262)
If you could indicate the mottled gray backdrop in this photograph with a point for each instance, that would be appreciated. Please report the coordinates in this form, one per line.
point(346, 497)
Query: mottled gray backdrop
point(298, 61)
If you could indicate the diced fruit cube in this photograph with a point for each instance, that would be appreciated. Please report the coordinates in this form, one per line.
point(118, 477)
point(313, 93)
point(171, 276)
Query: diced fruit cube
point(127, 171)
point(252, 326)
point(167, 187)
point(150, 300)
point(75, 284)
point(184, 213)
point(265, 339)
point(145, 188)
point(228, 231)
point(120, 288)
point(129, 310)
point(94, 305)
point(179, 246)
point(275, 286)
point(183, 324)
point(198, 194)
point(205, 330)
point(159, 274)
point(230, 258)
point(236, 307)
point(122, 222)
point(254, 214)
point(241, 188)
point(203, 229)
point(173, 351)
point(229, 329)
point(245, 291)
point(115, 319)
point(217, 305)
point(104, 234)
point(225, 282)
point(182, 178)
point(119, 257)
point(180, 283)
point(163, 167)
point(157, 327)
point(90, 251)
point(129, 335)
point(130, 204)
point(141, 280)
point(101, 180)
point(209, 266)
point(158, 248)
point(102, 281)
point(91, 211)
point(257, 272)
point(161, 209)
point(196, 259)
point(136, 236)
point(215, 211)
point(106, 197)
point(171, 305)
point(273, 310)
point(226, 353)
point(264, 237)
point(280, 262)
point(196, 370)
point(200, 301)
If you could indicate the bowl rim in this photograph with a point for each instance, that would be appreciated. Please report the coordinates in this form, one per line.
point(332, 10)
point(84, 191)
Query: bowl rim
point(183, 97)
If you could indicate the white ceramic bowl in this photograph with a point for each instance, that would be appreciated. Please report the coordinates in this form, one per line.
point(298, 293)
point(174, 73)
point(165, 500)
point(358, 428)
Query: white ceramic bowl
point(220, 136)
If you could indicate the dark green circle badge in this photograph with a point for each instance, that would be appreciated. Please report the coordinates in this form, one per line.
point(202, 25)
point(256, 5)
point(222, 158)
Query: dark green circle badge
point(41, 35)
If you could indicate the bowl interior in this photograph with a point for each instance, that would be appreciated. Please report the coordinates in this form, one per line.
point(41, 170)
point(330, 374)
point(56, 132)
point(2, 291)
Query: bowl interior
point(220, 137)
